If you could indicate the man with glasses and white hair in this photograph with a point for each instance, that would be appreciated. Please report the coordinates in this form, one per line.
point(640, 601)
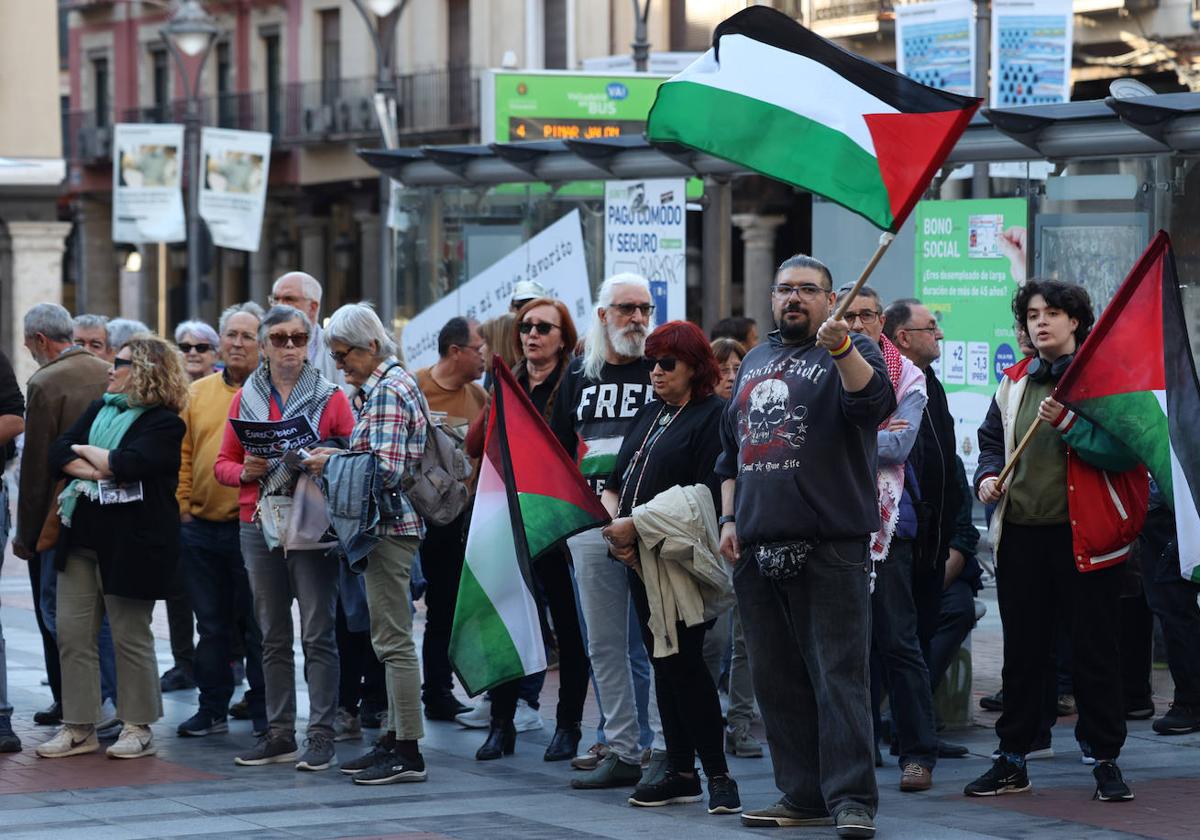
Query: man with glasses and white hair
point(597, 400)
point(303, 292)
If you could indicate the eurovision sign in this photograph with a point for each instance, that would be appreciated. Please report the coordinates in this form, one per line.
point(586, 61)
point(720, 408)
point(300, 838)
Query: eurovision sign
point(147, 200)
point(553, 258)
point(645, 232)
point(233, 190)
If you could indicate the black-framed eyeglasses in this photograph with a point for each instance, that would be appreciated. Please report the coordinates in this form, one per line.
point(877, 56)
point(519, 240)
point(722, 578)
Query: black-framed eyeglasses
point(339, 356)
point(627, 309)
point(542, 327)
point(202, 347)
point(121, 363)
point(804, 290)
point(282, 340)
point(667, 363)
point(921, 329)
point(867, 317)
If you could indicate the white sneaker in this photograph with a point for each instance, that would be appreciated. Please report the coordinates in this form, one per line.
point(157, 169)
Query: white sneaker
point(527, 718)
point(70, 740)
point(480, 717)
point(135, 742)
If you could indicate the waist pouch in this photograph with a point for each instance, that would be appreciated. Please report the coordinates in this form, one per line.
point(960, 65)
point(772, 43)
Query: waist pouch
point(783, 560)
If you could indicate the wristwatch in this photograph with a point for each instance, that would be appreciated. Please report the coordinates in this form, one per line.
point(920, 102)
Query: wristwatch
point(724, 520)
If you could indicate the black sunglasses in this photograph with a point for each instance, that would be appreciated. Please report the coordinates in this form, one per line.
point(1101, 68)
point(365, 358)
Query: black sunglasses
point(667, 363)
point(542, 327)
point(120, 363)
point(203, 347)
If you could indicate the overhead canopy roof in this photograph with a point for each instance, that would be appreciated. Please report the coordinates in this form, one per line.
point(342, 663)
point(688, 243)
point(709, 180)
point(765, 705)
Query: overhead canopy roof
point(1110, 127)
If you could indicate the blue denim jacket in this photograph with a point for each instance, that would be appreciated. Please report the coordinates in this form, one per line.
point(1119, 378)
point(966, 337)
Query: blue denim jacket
point(348, 482)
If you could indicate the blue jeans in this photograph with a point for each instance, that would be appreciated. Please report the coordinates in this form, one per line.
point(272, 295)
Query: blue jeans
point(808, 639)
point(219, 589)
point(48, 605)
point(894, 637)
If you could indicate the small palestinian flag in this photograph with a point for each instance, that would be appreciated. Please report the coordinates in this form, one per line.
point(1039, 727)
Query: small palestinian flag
point(529, 497)
point(1135, 377)
point(774, 97)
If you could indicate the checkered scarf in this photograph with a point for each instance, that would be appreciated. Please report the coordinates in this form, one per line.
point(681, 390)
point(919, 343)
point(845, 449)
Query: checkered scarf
point(904, 376)
point(309, 397)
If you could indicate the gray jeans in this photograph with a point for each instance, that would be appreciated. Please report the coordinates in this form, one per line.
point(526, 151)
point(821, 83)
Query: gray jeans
point(808, 640)
point(311, 579)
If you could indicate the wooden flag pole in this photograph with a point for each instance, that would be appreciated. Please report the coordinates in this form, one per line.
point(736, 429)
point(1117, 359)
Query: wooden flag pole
point(885, 239)
point(1016, 456)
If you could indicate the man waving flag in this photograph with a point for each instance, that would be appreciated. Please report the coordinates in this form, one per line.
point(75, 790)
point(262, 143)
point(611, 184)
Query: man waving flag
point(774, 97)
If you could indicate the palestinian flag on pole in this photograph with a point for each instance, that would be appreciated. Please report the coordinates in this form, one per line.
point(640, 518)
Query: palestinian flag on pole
point(1135, 377)
point(774, 97)
point(528, 497)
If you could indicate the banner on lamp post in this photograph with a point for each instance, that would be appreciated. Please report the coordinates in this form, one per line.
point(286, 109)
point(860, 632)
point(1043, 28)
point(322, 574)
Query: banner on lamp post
point(233, 185)
point(147, 198)
point(554, 258)
point(935, 44)
point(1031, 52)
point(645, 232)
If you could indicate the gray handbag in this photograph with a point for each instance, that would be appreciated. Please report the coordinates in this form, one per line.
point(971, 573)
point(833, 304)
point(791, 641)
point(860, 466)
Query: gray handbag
point(437, 488)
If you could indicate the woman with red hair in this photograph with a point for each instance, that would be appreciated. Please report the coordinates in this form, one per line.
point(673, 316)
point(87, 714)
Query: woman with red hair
point(670, 448)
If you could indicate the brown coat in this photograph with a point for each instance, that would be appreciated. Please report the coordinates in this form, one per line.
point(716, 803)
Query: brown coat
point(57, 394)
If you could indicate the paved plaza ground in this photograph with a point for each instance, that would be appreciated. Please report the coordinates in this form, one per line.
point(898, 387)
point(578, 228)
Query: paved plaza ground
point(192, 788)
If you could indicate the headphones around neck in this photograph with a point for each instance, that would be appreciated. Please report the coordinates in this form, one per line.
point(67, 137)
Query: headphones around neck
point(1040, 370)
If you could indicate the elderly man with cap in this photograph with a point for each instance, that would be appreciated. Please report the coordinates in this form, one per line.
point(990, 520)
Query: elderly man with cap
point(525, 291)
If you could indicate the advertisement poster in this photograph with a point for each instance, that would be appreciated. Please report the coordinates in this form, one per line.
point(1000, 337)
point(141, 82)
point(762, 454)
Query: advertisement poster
point(935, 44)
point(147, 199)
point(553, 258)
point(1031, 52)
point(645, 232)
point(234, 188)
point(970, 256)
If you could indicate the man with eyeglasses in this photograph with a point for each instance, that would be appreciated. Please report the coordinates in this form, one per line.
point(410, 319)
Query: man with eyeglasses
point(303, 292)
point(898, 663)
point(597, 400)
point(451, 389)
point(91, 333)
point(798, 508)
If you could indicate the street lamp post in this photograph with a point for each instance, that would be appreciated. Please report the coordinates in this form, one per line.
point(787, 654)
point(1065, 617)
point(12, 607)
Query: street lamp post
point(381, 17)
point(191, 32)
point(641, 43)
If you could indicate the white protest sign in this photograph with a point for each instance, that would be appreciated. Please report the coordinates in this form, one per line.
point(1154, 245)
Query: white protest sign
point(233, 190)
point(645, 232)
point(147, 200)
point(553, 258)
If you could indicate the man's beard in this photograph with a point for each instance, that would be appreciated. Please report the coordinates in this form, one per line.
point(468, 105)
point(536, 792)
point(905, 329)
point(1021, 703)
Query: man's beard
point(628, 341)
point(793, 331)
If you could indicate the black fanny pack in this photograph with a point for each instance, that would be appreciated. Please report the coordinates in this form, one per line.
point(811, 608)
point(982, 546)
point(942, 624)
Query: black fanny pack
point(783, 560)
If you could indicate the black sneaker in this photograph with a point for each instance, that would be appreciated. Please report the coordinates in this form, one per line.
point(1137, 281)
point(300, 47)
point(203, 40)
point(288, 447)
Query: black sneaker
point(673, 789)
point(1004, 777)
point(1110, 786)
point(318, 753)
point(992, 702)
point(49, 716)
point(270, 749)
point(176, 679)
point(855, 822)
point(444, 707)
point(1180, 719)
point(398, 769)
point(722, 796)
point(9, 742)
point(381, 752)
point(240, 710)
point(202, 723)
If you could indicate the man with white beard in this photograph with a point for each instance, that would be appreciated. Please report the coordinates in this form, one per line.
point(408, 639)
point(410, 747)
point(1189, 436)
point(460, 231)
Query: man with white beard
point(599, 395)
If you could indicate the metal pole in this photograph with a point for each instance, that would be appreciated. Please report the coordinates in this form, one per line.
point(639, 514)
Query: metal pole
point(718, 251)
point(641, 46)
point(162, 288)
point(980, 182)
point(192, 143)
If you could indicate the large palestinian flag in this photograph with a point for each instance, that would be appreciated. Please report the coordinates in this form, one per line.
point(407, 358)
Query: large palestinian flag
point(1135, 377)
point(528, 497)
point(774, 97)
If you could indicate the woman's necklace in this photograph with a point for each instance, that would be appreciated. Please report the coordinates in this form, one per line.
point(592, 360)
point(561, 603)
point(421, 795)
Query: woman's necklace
point(643, 452)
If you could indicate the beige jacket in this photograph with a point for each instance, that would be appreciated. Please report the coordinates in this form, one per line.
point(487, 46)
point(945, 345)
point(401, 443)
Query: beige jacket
point(685, 576)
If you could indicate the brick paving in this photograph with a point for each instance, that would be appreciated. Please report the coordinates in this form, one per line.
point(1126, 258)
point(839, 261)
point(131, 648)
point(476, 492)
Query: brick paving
point(192, 788)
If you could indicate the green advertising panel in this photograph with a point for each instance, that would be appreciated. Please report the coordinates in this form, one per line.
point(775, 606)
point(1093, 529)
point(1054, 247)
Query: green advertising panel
point(970, 254)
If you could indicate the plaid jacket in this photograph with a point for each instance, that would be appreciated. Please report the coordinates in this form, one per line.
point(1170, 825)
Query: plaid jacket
point(391, 425)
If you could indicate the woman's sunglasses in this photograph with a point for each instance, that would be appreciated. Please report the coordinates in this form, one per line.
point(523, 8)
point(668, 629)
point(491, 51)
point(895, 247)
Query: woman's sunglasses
point(281, 340)
point(203, 347)
point(542, 327)
point(120, 363)
point(667, 363)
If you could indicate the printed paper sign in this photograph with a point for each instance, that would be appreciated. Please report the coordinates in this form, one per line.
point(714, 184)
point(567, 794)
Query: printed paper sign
point(935, 44)
point(234, 185)
point(147, 199)
point(273, 438)
point(1031, 52)
point(645, 232)
point(554, 258)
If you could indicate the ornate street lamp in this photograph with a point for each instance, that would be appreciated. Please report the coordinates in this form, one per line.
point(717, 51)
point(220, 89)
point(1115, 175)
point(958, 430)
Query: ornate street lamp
point(641, 44)
point(381, 17)
point(191, 32)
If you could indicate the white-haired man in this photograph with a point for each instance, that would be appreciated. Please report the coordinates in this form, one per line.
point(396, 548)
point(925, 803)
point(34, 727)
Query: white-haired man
point(304, 292)
point(91, 333)
point(599, 395)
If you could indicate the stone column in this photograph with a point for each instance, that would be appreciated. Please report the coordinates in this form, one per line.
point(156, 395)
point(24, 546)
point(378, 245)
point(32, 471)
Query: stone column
point(758, 266)
point(312, 249)
point(37, 252)
point(261, 273)
point(100, 261)
point(368, 255)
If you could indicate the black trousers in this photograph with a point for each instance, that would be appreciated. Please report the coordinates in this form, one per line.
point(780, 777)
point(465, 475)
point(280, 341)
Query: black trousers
point(688, 704)
point(1173, 601)
point(442, 553)
point(361, 677)
point(1036, 577)
point(553, 574)
point(49, 644)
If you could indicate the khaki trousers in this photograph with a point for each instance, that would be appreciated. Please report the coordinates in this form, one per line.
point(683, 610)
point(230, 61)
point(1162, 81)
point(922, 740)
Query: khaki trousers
point(81, 607)
point(389, 571)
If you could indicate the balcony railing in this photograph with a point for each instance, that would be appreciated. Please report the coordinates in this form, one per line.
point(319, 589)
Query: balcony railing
point(831, 10)
point(437, 106)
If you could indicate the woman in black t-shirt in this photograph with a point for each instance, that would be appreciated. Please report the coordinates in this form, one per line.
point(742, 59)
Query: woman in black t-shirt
point(674, 441)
